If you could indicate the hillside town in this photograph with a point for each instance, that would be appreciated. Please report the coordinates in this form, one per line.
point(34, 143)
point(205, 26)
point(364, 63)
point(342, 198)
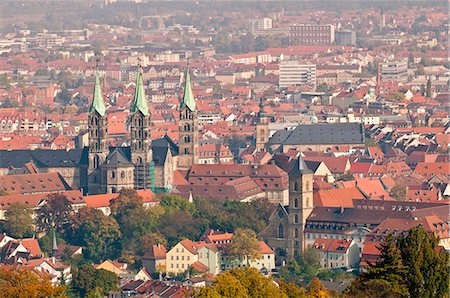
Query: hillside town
point(158, 148)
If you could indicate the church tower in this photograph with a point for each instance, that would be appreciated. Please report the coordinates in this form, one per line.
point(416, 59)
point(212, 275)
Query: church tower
point(98, 137)
point(141, 152)
point(300, 205)
point(188, 128)
point(262, 128)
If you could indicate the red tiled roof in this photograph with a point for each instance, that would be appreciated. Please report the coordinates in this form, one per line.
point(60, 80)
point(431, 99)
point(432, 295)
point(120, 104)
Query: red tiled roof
point(340, 197)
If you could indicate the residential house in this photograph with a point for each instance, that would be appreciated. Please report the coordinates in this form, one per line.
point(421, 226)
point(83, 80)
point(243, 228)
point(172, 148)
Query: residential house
point(154, 260)
point(113, 266)
point(337, 253)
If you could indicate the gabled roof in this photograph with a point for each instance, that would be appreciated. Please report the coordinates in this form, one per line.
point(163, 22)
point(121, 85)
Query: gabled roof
point(117, 159)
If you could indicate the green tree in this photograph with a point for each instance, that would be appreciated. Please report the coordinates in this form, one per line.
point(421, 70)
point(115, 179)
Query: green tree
point(427, 271)
point(90, 282)
point(244, 244)
point(428, 90)
point(387, 274)
point(322, 88)
point(97, 233)
point(19, 222)
point(176, 203)
point(55, 213)
point(310, 263)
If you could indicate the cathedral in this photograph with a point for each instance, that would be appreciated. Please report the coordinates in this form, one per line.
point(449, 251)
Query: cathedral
point(101, 168)
point(145, 164)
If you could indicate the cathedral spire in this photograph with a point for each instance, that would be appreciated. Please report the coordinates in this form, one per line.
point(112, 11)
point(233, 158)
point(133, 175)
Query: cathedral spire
point(188, 97)
point(140, 100)
point(97, 100)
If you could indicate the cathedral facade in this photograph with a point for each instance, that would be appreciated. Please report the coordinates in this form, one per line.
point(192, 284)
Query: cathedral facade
point(101, 168)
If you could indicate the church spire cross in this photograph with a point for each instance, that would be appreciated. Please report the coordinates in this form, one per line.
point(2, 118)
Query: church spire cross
point(140, 100)
point(188, 97)
point(97, 100)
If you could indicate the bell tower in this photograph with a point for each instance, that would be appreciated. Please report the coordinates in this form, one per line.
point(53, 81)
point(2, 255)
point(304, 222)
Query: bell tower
point(98, 137)
point(300, 205)
point(188, 127)
point(141, 152)
point(262, 127)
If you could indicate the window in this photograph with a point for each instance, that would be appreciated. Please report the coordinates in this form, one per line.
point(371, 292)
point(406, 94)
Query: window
point(307, 186)
point(187, 258)
point(171, 257)
point(296, 233)
point(122, 174)
point(295, 218)
point(280, 231)
point(296, 203)
point(295, 186)
point(96, 159)
point(113, 174)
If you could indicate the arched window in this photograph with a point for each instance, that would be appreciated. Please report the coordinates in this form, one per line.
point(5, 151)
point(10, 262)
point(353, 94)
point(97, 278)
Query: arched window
point(113, 190)
point(307, 185)
point(113, 174)
point(295, 186)
point(295, 218)
point(295, 203)
point(296, 233)
point(96, 160)
point(186, 150)
point(187, 127)
point(280, 231)
point(187, 139)
point(122, 174)
point(138, 160)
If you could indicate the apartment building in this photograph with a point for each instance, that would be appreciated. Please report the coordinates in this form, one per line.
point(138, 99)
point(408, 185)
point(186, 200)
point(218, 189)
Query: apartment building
point(395, 71)
point(255, 25)
point(309, 34)
point(294, 73)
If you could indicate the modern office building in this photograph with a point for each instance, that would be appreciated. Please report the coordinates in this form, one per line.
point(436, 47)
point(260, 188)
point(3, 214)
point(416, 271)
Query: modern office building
point(296, 73)
point(345, 38)
point(394, 71)
point(312, 34)
point(255, 25)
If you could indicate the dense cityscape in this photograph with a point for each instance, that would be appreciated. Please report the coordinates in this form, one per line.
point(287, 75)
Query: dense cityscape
point(224, 148)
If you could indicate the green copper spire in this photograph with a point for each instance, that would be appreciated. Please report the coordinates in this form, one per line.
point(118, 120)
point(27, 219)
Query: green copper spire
point(97, 100)
point(140, 100)
point(188, 97)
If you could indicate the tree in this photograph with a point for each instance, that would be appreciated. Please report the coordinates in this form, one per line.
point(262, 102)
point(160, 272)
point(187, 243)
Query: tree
point(316, 289)
point(428, 90)
point(22, 282)
point(398, 97)
point(242, 282)
point(310, 263)
point(19, 222)
point(97, 233)
point(322, 87)
point(55, 213)
point(398, 192)
point(410, 59)
point(88, 281)
point(176, 203)
point(244, 244)
point(426, 267)
point(387, 274)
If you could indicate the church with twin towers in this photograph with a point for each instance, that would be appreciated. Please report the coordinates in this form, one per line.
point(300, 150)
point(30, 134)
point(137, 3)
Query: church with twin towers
point(145, 163)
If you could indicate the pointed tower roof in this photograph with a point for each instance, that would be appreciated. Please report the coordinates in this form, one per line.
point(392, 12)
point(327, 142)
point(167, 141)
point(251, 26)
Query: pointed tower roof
point(55, 245)
point(188, 97)
point(140, 100)
point(300, 167)
point(97, 100)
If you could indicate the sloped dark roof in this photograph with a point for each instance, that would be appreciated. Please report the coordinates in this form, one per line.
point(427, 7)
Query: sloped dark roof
point(117, 159)
point(159, 155)
point(164, 142)
point(299, 168)
point(312, 134)
point(46, 158)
